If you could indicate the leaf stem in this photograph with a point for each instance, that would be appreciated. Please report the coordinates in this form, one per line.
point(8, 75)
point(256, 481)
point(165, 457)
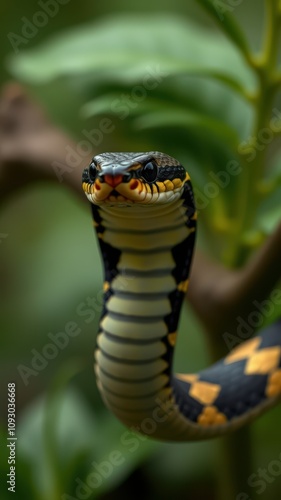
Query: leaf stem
point(249, 195)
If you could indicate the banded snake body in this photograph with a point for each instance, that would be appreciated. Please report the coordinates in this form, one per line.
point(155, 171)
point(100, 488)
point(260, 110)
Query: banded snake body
point(145, 219)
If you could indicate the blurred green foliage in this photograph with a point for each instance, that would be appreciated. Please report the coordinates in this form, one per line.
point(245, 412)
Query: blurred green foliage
point(203, 109)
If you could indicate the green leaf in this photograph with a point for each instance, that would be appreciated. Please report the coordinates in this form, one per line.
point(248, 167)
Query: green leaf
point(41, 445)
point(157, 113)
point(77, 438)
point(112, 103)
point(187, 119)
point(231, 82)
point(105, 102)
point(144, 48)
point(220, 11)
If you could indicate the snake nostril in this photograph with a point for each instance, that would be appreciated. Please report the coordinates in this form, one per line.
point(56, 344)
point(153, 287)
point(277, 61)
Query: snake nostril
point(113, 180)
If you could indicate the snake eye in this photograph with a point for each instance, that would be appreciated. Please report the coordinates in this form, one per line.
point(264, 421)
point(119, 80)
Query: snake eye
point(92, 171)
point(150, 171)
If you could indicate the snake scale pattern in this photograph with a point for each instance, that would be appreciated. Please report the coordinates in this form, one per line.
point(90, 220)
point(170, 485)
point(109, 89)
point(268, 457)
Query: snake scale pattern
point(145, 220)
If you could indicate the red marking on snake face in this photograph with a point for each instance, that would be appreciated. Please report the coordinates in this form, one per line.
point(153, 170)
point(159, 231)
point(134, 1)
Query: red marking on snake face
point(134, 184)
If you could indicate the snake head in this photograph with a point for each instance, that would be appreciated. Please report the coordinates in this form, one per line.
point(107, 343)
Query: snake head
point(130, 178)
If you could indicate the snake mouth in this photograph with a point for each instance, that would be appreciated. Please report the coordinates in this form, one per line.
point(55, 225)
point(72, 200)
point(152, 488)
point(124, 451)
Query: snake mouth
point(142, 181)
point(114, 192)
point(112, 189)
point(133, 192)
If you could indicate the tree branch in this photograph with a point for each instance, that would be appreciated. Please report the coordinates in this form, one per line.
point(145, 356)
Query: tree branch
point(29, 146)
point(219, 295)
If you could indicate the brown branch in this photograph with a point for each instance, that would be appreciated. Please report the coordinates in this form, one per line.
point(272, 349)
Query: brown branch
point(29, 146)
point(219, 295)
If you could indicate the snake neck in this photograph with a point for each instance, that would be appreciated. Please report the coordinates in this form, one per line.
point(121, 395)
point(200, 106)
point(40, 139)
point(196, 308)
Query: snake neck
point(146, 253)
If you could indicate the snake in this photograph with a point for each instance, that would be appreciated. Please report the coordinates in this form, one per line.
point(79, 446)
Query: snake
point(145, 217)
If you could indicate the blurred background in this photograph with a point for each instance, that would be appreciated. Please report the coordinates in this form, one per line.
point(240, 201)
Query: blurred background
point(165, 77)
